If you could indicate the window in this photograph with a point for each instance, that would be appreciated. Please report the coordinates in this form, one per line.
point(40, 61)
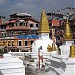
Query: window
point(36, 33)
point(12, 43)
point(11, 25)
point(26, 23)
point(31, 42)
point(3, 43)
point(26, 43)
point(21, 23)
point(36, 25)
point(1, 27)
point(31, 25)
point(9, 43)
point(16, 23)
point(20, 43)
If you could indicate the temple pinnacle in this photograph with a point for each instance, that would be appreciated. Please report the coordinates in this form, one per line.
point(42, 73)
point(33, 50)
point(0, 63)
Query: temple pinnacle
point(68, 33)
point(44, 25)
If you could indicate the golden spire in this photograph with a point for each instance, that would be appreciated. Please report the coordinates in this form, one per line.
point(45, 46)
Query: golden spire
point(44, 26)
point(68, 33)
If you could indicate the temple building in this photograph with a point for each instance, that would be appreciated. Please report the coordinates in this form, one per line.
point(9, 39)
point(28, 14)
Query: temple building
point(19, 32)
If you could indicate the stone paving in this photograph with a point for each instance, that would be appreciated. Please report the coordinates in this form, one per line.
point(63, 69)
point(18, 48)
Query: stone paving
point(29, 71)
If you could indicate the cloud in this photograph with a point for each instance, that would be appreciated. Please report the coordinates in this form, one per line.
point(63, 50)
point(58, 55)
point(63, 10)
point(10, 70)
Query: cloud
point(33, 7)
point(3, 1)
point(18, 5)
point(22, 5)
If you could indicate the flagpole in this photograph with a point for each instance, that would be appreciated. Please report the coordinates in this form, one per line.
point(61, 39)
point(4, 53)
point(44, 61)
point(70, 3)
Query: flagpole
point(40, 48)
point(39, 59)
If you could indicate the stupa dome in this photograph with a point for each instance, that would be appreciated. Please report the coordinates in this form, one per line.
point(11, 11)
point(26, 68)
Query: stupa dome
point(41, 42)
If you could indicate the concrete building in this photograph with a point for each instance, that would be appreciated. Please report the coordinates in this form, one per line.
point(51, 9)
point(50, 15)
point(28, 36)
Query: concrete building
point(19, 32)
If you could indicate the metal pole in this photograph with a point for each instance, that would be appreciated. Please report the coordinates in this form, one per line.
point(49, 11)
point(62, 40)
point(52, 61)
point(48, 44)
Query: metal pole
point(39, 58)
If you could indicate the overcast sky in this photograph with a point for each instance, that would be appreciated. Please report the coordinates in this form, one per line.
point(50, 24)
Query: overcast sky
point(33, 7)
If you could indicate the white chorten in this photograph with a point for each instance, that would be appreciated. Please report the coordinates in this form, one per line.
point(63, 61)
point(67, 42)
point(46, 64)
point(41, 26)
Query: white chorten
point(68, 41)
point(44, 41)
point(11, 66)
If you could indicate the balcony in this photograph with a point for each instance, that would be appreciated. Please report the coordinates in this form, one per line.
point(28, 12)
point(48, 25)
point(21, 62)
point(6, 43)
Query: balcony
point(17, 28)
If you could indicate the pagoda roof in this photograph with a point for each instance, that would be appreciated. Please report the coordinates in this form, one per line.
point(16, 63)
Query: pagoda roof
point(27, 18)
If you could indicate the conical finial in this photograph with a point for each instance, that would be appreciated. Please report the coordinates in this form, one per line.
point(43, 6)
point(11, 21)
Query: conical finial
point(44, 25)
point(67, 20)
point(68, 33)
